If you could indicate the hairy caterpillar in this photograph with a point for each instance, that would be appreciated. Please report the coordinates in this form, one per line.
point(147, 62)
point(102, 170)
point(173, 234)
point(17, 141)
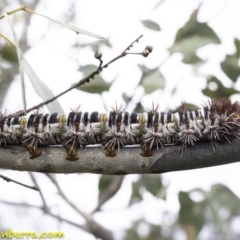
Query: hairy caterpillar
point(219, 121)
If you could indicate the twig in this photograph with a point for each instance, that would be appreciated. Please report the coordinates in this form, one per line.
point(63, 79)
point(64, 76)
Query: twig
point(40, 192)
point(82, 81)
point(131, 45)
point(115, 185)
point(96, 229)
point(62, 194)
point(13, 11)
point(24, 185)
point(45, 211)
point(93, 227)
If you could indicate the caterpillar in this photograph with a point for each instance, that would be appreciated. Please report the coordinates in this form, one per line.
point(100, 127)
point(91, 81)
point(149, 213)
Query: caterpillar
point(218, 121)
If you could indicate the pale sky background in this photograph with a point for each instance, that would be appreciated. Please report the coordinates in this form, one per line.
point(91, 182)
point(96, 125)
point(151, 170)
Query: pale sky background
point(54, 61)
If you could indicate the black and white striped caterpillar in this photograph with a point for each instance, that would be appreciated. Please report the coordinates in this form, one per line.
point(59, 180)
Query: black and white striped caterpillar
point(219, 121)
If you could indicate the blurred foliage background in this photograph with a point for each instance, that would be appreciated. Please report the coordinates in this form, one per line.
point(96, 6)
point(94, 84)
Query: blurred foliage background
point(202, 214)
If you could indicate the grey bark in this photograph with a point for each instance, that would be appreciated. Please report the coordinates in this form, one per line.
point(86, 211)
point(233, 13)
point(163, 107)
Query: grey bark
point(127, 161)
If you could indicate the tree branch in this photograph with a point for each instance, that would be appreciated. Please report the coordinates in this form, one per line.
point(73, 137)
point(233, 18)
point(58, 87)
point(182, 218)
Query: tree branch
point(93, 227)
point(45, 211)
point(127, 161)
point(19, 183)
point(82, 81)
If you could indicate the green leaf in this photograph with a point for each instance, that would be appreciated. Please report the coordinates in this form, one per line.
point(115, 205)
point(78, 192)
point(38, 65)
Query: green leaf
point(4, 85)
point(191, 215)
point(193, 36)
point(220, 198)
point(20, 60)
point(191, 59)
point(87, 69)
point(151, 25)
point(158, 4)
point(139, 108)
point(96, 45)
point(230, 64)
point(189, 106)
point(153, 184)
point(132, 232)
point(125, 97)
point(151, 81)
point(96, 85)
point(68, 26)
point(103, 184)
point(9, 53)
point(154, 231)
point(41, 88)
point(220, 92)
point(136, 195)
point(225, 198)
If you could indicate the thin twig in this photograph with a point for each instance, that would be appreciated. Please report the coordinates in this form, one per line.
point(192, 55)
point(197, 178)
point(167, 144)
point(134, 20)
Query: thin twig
point(62, 194)
point(24, 185)
point(41, 194)
point(129, 100)
point(115, 185)
point(45, 211)
point(13, 11)
point(93, 227)
point(131, 45)
point(82, 81)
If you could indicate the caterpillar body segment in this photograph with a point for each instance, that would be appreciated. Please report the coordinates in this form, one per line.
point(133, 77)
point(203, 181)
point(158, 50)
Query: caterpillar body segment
point(219, 121)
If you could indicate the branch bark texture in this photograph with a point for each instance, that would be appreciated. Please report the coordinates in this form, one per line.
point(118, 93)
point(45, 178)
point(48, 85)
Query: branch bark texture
point(127, 161)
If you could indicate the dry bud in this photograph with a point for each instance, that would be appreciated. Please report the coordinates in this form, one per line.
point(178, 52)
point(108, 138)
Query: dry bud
point(98, 55)
point(149, 48)
point(145, 53)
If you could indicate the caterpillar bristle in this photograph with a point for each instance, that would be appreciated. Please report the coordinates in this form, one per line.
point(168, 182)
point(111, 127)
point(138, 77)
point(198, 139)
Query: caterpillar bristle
point(218, 122)
point(117, 109)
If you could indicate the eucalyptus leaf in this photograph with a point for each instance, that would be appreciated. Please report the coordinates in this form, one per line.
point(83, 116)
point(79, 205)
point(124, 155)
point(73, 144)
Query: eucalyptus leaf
point(151, 25)
point(20, 60)
point(158, 4)
point(188, 106)
point(96, 45)
point(87, 69)
point(153, 184)
point(191, 59)
point(42, 89)
point(191, 215)
point(220, 92)
point(9, 53)
point(125, 97)
point(96, 85)
point(151, 81)
point(139, 108)
point(225, 197)
point(103, 184)
point(4, 85)
point(136, 196)
point(230, 65)
point(68, 26)
point(219, 198)
point(145, 69)
point(192, 36)
point(132, 232)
